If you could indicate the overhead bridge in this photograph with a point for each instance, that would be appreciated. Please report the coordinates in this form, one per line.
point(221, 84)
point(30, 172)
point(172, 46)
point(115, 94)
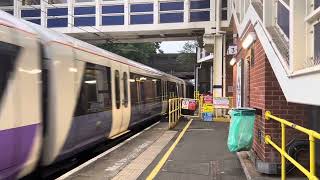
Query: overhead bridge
point(96, 21)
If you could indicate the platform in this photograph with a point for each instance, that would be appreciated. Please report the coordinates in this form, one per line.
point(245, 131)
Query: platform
point(200, 154)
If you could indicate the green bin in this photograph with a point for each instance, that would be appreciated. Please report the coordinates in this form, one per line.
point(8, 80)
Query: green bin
point(240, 136)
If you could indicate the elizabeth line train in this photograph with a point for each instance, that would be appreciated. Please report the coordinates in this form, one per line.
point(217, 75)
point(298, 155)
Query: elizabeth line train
point(60, 96)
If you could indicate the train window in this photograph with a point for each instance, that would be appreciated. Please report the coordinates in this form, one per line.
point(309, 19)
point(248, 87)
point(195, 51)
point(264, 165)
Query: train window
point(182, 89)
point(149, 89)
point(105, 88)
point(125, 88)
point(172, 89)
point(8, 57)
point(158, 90)
point(6, 3)
point(95, 93)
point(117, 86)
point(134, 88)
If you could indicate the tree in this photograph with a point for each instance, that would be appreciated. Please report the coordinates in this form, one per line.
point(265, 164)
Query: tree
point(188, 53)
point(140, 52)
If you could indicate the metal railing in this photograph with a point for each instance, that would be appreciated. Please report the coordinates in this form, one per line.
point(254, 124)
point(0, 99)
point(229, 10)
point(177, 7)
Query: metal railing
point(174, 112)
point(196, 95)
point(313, 135)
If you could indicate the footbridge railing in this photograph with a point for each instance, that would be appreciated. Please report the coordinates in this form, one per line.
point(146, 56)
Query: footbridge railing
point(313, 135)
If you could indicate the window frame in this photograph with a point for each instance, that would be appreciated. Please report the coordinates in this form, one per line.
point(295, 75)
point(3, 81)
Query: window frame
point(117, 88)
point(125, 89)
point(82, 105)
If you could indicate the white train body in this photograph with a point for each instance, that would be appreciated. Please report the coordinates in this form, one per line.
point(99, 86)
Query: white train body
point(59, 95)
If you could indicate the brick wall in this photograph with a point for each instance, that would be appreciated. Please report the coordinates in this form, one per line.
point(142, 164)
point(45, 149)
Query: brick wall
point(265, 94)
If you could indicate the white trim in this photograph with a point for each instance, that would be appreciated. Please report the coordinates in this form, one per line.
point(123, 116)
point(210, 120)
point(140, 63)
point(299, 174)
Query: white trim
point(207, 58)
point(284, 4)
point(313, 16)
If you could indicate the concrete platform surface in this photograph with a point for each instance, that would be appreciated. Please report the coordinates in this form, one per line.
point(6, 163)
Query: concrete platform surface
point(108, 166)
point(201, 154)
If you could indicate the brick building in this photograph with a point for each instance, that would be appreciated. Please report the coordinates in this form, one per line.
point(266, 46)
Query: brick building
point(255, 85)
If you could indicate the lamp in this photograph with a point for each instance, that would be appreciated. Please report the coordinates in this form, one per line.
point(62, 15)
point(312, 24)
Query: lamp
point(247, 42)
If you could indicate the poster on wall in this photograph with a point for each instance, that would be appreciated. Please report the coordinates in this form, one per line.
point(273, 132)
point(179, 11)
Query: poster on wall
point(185, 104)
point(221, 103)
point(238, 86)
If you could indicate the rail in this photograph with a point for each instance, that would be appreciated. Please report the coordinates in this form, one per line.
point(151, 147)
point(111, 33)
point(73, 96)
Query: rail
point(313, 135)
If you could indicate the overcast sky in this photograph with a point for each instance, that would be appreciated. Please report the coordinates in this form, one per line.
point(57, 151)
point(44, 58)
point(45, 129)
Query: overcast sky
point(172, 46)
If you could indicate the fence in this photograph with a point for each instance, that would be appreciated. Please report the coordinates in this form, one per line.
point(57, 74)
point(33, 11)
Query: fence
point(175, 109)
point(313, 135)
point(174, 112)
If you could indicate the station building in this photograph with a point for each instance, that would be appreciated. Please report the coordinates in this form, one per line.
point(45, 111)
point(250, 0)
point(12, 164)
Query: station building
point(262, 53)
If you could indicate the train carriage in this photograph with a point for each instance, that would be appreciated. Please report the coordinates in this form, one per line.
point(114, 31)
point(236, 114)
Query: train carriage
point(73, 95)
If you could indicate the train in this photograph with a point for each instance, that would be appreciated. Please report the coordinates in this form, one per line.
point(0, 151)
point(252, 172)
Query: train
point(60, 96)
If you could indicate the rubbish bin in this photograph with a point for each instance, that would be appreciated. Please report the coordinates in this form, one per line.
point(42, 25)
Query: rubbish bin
point(240, 136)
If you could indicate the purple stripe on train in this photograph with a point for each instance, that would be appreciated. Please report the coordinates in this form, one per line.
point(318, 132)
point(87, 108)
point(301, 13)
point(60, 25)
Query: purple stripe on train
point(15, 147)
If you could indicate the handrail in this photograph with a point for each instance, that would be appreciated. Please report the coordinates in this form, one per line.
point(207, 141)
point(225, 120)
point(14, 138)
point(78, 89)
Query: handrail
point(313, 135)
point(174, 112)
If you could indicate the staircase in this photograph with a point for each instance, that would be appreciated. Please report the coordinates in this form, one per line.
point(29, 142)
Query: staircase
point(299, 86)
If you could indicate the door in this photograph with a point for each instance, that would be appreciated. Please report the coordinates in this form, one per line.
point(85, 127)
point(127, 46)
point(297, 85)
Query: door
point(164, 96)
point(121, 110)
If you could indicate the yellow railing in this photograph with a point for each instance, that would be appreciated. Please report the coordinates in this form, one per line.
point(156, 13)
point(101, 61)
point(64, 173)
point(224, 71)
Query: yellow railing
point(174, 112)
point(313, 135)
point(196, 95)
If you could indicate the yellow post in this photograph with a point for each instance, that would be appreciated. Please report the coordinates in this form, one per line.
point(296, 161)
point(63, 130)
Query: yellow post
point(312, 155)
point(283, 148)
point(175, 112)
point(180, 101)
point(169, 111)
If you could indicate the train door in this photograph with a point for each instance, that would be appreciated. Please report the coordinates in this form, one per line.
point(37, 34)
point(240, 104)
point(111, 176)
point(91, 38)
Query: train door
point(121, 110)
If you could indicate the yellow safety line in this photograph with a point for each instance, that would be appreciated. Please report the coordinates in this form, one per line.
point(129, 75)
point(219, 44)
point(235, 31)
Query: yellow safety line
point(163, 160)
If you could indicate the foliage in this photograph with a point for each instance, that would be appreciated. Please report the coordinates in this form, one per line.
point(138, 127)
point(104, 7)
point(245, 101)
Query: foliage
point(140, 52)
point(188, 53)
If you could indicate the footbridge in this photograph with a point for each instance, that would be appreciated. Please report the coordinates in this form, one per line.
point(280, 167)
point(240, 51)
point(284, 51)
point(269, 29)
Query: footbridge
point(96, 21)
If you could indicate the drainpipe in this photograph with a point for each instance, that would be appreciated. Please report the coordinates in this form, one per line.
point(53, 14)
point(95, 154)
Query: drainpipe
point(197, 76)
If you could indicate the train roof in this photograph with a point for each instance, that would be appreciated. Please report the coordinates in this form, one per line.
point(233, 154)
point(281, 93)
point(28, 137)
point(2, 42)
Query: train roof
point(12, 22)
point(48, 35)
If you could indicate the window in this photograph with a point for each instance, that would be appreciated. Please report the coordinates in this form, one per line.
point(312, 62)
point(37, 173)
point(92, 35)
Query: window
point(80, 1)
point(58, 1)
point(182, 89)
point(8, 57)
point(30, 2)
point(117, 86)
point(316, 4)
point(6, 3)
point(172, 89)
point(316, 44)
point(125, 88)
point(134, 89)
point(283, 18)
point(95, 93)
point(158, 90)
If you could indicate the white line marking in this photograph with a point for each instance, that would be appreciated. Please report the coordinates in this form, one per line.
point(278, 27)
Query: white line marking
point(78, 168)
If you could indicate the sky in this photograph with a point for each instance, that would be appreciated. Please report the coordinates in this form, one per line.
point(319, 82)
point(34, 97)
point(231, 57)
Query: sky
point(172, 46)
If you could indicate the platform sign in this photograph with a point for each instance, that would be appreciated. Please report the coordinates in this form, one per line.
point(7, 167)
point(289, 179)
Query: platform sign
point(232, 50)
point(185, 104)
point(207, 108)
point(207, 99)
point(221, 102)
